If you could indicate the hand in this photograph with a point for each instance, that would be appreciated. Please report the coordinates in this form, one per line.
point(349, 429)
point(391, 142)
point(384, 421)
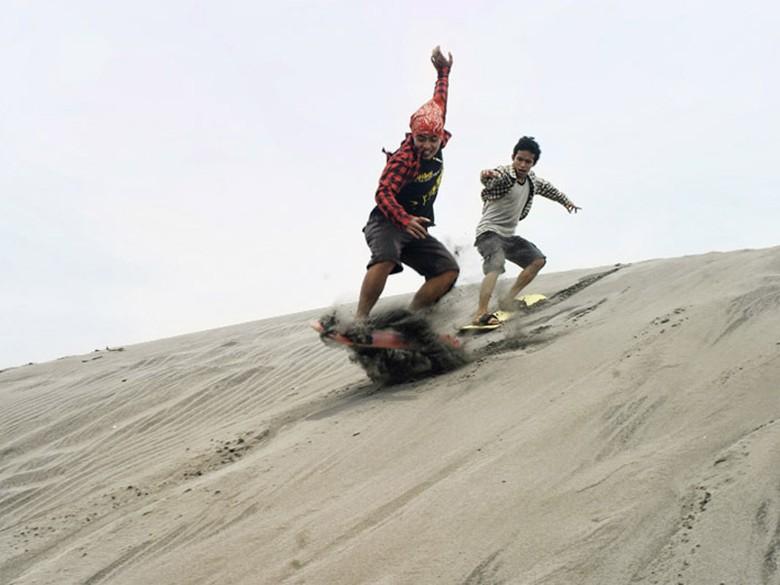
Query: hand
point(439, 60)
point(416, 227)
point(572, 208)
point(488, 174)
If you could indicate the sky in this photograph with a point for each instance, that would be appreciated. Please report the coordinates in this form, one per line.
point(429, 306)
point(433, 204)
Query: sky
point(170, 167)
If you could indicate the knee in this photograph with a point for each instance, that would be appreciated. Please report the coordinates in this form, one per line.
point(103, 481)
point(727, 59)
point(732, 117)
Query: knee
point(538, 264)
point(383, 267)
point(452, 277)
point(447, 281)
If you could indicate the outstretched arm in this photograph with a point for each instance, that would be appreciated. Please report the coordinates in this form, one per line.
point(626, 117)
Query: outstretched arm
point(547, 189)
point(443, 65)
point(496, 182)
point(487, 175)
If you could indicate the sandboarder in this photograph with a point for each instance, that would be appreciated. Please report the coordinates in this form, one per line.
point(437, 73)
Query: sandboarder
point(397, 228)
point(507, 198)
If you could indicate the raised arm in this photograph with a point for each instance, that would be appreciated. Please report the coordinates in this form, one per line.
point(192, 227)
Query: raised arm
point(443, 65)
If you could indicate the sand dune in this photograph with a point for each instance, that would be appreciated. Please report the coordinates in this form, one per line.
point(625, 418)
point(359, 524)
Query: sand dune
point(626, 433)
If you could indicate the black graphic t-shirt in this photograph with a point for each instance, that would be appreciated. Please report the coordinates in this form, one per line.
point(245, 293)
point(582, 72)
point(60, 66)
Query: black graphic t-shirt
point(417, 196)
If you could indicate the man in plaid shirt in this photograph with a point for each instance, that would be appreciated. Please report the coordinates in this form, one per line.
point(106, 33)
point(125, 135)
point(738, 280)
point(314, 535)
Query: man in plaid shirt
point(397, 228)
point(507, 197)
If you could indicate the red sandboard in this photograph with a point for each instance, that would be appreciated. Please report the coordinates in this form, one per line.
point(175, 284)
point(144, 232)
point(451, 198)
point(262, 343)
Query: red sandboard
point(380, 338)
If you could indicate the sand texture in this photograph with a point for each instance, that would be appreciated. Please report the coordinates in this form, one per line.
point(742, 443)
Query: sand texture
point(627, 432)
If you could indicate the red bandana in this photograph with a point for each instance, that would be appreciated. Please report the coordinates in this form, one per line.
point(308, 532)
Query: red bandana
point(429, 119)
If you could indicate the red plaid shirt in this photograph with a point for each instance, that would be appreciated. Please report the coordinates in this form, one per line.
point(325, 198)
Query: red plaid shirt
point(404, 164)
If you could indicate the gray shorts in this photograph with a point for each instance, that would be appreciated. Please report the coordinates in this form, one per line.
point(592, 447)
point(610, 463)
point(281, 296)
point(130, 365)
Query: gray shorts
point(387, 242)
point(496, 249)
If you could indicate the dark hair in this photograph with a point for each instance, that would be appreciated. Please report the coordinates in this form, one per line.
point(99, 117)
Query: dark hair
point(528, 143)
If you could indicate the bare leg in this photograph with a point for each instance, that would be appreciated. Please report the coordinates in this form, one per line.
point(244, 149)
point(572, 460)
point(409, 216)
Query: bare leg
point(525, 277)
point(434, 289)
point(485, 292)
point(373, 285)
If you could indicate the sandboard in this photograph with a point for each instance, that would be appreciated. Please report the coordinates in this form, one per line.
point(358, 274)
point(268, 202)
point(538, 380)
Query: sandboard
point(380, 339)
point(530, 300)
point(502, 317)
point(524, 302)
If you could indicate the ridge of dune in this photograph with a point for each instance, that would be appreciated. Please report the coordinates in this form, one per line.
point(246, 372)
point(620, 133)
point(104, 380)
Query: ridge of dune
point(629, 432)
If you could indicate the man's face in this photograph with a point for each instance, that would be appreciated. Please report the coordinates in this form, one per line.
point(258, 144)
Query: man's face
point(427, 144)
point(523, 161)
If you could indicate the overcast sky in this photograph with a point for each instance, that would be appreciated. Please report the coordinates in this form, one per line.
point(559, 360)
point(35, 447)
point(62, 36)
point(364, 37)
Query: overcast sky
point(168, 167)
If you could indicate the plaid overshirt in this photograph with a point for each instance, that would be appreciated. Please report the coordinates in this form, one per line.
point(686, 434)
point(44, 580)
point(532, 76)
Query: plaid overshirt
point(403, 165)
point(498, 187)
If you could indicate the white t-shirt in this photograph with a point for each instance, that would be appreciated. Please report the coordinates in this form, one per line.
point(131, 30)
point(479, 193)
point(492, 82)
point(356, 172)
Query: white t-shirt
point(501, 215)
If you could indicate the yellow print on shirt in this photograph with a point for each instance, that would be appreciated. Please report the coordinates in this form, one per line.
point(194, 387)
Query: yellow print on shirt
point(425, 177)
point(431, 194)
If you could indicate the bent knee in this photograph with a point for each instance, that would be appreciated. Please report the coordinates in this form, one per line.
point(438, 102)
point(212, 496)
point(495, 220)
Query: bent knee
point(539, 263)
point(448, 280)
point(386, 266)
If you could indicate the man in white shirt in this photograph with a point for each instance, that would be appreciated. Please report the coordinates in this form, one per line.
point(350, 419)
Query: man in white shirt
point(508, 195)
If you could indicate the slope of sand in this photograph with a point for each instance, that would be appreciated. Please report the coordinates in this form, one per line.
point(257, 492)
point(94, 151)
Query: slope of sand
point(627, 433)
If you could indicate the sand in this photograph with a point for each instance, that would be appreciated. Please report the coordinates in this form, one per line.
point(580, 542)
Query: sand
point(627, 433)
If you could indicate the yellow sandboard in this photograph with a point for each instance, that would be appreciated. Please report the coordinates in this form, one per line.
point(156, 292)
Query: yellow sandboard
point(530, 300)
point(503, 316)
